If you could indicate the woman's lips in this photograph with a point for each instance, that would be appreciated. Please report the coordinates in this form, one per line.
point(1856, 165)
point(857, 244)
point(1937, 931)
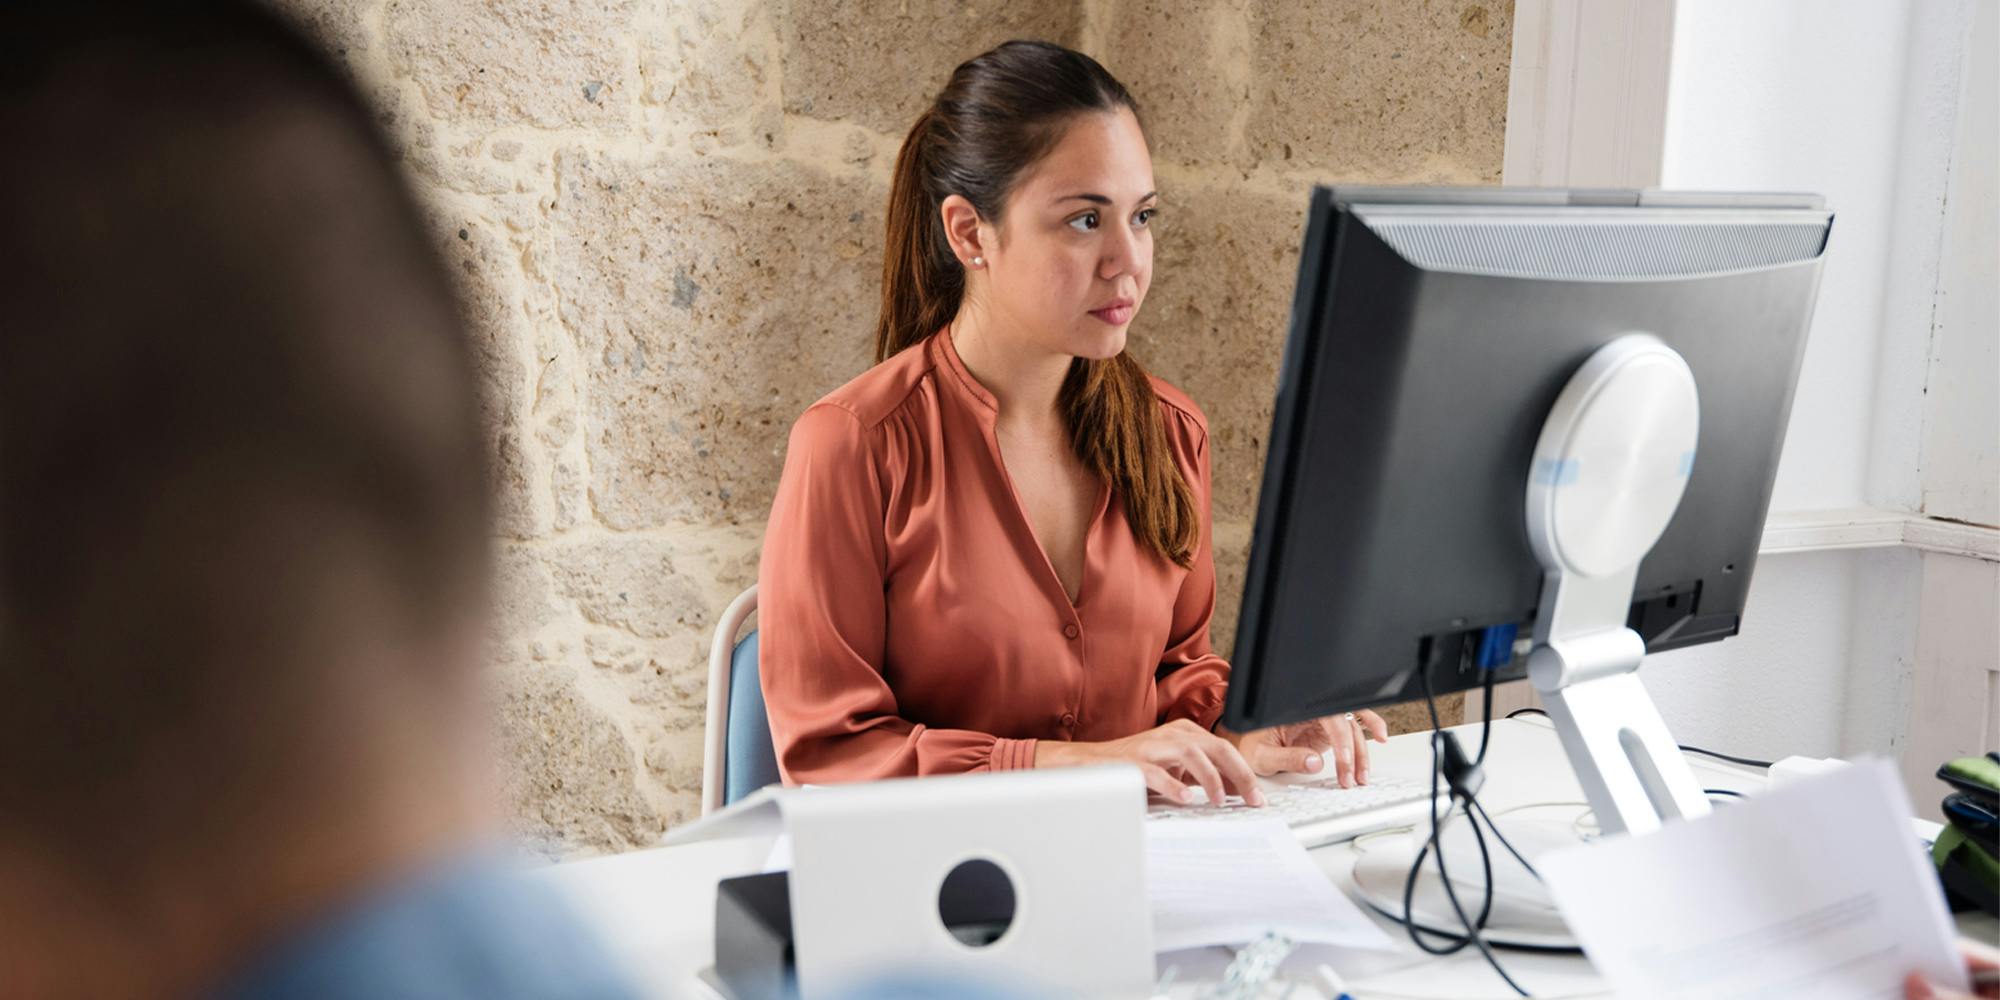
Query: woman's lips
point(1115, 315)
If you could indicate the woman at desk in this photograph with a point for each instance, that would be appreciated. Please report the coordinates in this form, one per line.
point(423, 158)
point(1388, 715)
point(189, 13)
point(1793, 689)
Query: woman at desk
point(992, 550)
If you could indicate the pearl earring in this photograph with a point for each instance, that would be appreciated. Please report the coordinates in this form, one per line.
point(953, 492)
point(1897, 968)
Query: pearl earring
point(978, 262)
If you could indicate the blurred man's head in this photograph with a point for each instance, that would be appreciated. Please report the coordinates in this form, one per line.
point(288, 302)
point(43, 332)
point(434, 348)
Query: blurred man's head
point(243, 515)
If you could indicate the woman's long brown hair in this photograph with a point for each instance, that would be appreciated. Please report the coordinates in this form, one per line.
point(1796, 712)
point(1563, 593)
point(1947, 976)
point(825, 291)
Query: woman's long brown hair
point(1000, 112)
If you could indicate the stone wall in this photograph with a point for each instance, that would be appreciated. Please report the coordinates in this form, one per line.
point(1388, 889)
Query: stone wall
point(667, 217)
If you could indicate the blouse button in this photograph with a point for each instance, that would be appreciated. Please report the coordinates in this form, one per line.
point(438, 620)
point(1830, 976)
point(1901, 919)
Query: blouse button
point(1069, 720)
point(1069, 631)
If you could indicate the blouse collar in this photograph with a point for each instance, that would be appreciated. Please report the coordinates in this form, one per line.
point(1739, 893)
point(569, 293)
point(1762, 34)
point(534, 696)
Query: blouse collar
point(946, 355)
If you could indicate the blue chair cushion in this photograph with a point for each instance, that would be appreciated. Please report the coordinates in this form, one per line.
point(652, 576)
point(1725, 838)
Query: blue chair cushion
point(749, 760)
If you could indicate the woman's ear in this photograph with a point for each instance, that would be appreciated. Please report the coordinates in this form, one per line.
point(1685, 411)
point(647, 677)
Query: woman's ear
point(963, 229)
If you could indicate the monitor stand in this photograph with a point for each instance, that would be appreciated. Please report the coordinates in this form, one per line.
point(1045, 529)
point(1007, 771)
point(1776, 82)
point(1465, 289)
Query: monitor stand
point(1609, 470)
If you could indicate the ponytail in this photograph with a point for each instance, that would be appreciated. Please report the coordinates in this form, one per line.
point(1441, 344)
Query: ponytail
point(922, 282)
point(999, 113)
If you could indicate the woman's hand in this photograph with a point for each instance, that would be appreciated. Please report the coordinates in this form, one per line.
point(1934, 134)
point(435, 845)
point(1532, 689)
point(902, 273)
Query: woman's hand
point(1982, 964)
point(1175, 758)
point(1303, 746)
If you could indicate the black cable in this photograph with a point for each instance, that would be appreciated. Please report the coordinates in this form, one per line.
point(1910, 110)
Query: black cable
point(1485, 717)
point(1485, 865)
point(1485, 857)
point(1503, 840)
point(1486, 726)
point(1472, 930)
point(1471, 804)
point(1745, 761)
point(1410, 924)
point(1417, 867)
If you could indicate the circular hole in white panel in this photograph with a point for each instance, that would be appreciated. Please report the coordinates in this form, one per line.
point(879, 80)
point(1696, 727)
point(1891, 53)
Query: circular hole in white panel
point(976, 902)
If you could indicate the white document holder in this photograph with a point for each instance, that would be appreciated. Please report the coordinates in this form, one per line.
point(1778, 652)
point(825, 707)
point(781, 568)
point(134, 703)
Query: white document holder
point(868, 861)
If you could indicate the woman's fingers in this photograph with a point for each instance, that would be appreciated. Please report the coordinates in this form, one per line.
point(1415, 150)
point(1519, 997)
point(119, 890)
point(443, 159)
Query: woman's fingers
point(1979, 956)
point(1163, 784)
point(1916, 987)
point(1360, 740)
point(1266, 757)
point(1181, 753)
point(1235, 769)
point(1316, 734)
point(1197, 765)
point(1377, 727)
point(1982, 960)
point(1343, 758)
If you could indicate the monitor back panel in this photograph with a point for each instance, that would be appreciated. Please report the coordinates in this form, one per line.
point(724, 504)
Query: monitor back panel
point(1423, 358)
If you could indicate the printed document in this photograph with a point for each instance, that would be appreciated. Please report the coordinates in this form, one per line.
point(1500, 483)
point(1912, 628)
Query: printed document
point(1817, 889)
point(1215, 882)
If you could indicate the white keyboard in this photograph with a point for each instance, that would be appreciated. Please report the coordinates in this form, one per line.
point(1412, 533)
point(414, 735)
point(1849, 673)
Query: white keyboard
point(1320, 812)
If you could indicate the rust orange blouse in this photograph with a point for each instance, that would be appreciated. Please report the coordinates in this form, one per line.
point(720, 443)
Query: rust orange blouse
point(909, 622)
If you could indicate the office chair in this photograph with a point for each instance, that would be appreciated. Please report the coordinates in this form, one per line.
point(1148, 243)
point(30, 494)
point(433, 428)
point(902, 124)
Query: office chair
point(738, 757)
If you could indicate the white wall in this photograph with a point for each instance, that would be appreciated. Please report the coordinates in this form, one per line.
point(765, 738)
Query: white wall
point(1787, 685)
point(1888, 108)
point(1955, 707)
point(1877, 106)
point(1804, 96)
point(1961, 442)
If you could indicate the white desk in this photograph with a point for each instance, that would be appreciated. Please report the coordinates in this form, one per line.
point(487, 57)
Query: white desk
point(655, 907)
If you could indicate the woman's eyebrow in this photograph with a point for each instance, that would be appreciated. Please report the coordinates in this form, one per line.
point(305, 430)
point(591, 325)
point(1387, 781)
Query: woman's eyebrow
point(1098, 199)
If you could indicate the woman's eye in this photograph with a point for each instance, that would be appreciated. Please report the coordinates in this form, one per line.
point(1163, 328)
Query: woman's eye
point(1084, 223)
point(1145, 215)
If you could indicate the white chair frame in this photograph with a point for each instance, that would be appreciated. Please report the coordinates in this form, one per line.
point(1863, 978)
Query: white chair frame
point(721, 654)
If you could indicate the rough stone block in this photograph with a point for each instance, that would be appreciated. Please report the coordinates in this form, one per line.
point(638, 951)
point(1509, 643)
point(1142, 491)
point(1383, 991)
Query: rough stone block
point(481, 261)
point(1232, 558)
point(526, 598)
point(713, 66)
point(571, 771)
point(338, 27)
point(675, 759)
point(1214, 320)
point(882, 69)
point(1382, 90)
point(571, 486)
point(540, 63)
point(652, 586)
point(1188, 65)
point(711, 302)
point(651, 602)
point(1415, 716)
point(658, 688)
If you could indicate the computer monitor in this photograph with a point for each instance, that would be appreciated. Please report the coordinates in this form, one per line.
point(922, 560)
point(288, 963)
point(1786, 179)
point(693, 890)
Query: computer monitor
point(1434, 334)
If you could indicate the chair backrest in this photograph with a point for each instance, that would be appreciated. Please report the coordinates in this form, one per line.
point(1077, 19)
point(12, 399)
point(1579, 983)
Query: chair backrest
point(738, 757)
point(750, 760)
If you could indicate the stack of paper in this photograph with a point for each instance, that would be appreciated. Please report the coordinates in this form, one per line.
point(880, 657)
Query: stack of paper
point(1230, 883)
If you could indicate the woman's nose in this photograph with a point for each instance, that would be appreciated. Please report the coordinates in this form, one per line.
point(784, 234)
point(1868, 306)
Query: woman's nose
point(1121, 253)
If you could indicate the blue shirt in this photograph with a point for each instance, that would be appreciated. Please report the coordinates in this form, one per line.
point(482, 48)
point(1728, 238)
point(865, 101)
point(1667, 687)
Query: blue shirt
point(467, 928)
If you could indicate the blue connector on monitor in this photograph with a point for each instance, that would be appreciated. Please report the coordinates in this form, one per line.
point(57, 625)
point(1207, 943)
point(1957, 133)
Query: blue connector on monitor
point(1496, 646)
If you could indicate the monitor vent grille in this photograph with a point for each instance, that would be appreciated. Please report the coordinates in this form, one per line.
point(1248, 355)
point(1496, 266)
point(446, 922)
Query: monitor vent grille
point(1600, 249)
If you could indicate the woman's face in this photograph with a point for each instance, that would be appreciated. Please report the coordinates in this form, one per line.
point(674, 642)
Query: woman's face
point(1073, 255)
